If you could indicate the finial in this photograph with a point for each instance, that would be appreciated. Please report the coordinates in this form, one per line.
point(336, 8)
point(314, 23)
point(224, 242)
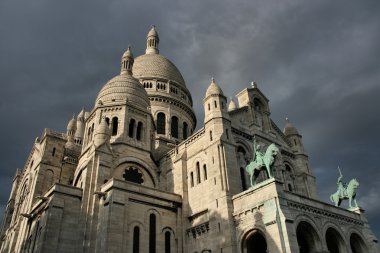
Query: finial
point(254, 84)
point(287, 119)
point(212, 79)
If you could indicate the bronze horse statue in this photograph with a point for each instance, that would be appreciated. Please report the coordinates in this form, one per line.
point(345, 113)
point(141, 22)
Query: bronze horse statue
point(348, 192)
point(264, 162)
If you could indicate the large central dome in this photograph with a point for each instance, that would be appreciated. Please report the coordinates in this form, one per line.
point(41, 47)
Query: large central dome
point(154, 65)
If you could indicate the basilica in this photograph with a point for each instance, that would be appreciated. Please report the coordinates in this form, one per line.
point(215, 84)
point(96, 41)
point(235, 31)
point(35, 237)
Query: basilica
point(133, 175)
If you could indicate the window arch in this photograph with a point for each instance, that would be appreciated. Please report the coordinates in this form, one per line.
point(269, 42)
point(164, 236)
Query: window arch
point(152, 233)
point(131, 127)
point(174, 127)
point(184, 130)
point(161, 123)
point(210, 135)
point(115, 123)
point(204, 172)
point(139, 131)
point(136, 240)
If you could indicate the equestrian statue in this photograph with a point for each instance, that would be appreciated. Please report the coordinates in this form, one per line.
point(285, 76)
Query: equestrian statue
point(261, 161)
point(345, 191)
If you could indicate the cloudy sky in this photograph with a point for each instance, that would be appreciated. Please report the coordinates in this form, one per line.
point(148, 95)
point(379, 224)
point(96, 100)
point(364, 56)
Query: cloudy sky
point(317, 61)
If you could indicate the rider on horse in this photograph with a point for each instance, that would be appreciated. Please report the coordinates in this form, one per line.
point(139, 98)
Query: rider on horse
point(341, 186)
point(258, 154)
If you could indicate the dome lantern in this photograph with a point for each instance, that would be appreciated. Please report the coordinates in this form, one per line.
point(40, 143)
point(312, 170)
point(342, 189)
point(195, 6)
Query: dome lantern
point(152, 41)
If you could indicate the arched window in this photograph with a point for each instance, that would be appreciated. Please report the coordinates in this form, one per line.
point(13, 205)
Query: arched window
point(174, 127)
point(198, 173)
point(139, 131)
point(131, 127)
point(215, 104)
point(136, 240)
point(115, 123)
point(152, 233)
point(242, 177)
point(191, 179)
point(205, 171)
point(167, 242)
point(161, 123)
point(184, 130)
point(108, 121)
point(290, 187)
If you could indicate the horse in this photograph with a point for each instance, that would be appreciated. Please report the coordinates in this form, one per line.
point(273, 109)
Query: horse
point(348, 193)
point(254, 167)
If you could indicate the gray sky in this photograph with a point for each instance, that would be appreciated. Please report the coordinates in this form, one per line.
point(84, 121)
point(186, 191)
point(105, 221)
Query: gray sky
point(317, 61)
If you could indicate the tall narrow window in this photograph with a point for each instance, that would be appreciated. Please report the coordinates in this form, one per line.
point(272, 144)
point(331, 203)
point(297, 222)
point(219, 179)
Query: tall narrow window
point(209, 106)
point(53, 153)
point(152, 233)
point(136, 240)
point(205, 171)
point(167, 242)
point(131, 127)
point(198, 174)
point(227, 134)
point(191, 179)
point(115, 123)
point(242, 176)
point(174, 127)
point(108, 121)
point(161, 123)
point(210, 135)
point(184, 130)
point(215, 104)
point(139, 131)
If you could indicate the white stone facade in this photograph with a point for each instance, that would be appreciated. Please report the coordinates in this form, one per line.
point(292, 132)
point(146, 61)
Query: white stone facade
point(132, 176)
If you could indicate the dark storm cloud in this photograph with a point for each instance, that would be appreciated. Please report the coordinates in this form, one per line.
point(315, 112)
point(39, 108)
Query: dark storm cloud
point(316, 61)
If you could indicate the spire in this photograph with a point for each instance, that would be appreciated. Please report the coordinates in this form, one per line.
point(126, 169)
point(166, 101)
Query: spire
point(152, 41)
point(289, 129)
point(127, 62)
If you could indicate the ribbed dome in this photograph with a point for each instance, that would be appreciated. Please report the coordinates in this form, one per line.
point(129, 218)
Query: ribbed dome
point(213, 89)
point(123, 87)
point(289, 129)
point(156, 66)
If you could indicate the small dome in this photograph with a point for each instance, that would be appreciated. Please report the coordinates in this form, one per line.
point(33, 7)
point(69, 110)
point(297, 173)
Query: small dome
point(152, 32)
point(289, 129)
point(156, 66)
point(123, 87)
point(128, 53)
point(213, 89)
point(231, 105)
point(72, 124)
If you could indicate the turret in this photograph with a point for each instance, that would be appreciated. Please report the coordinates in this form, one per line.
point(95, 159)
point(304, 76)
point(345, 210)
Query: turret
point(152, 41)
point(79, 133)
point(294, 137)
point(231, 105)
point(102, 133)
point(71, 129)
point(127, 62)
point(215, 103)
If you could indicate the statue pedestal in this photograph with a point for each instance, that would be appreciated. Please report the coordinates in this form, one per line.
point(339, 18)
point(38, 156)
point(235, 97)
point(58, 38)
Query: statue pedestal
point(357, 210)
